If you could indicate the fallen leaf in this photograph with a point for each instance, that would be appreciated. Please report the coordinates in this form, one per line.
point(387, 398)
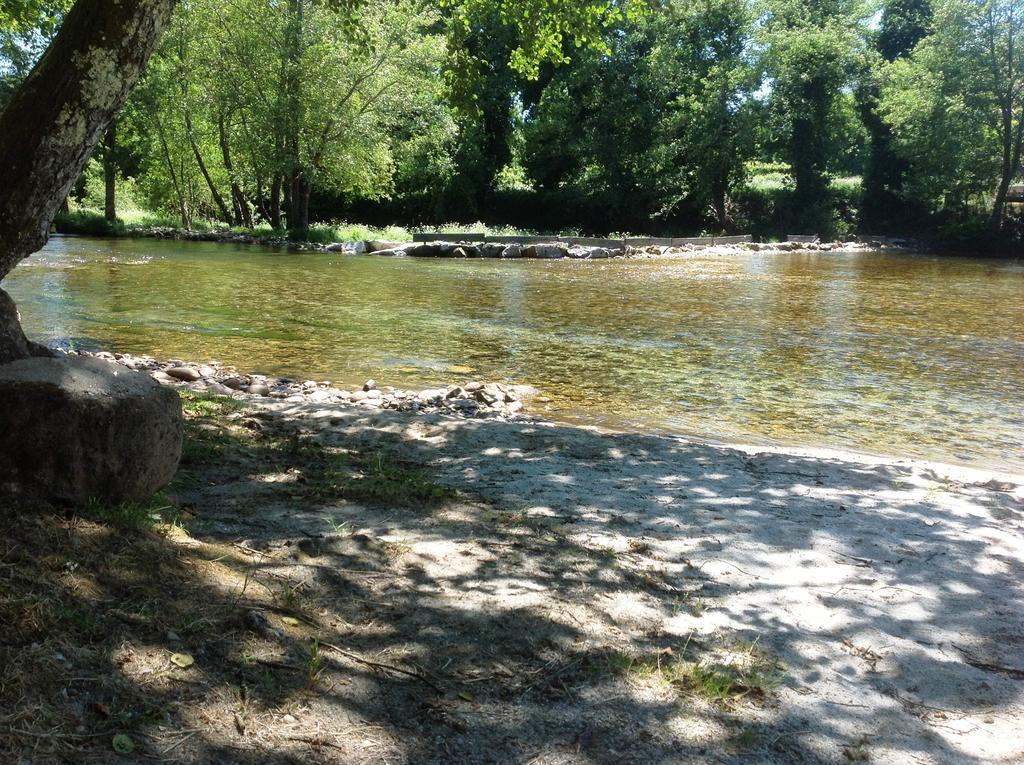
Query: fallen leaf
point(182, 660)
point(123, 744)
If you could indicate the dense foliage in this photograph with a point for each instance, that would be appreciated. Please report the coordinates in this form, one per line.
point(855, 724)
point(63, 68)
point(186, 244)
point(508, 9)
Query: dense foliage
point(768, 116)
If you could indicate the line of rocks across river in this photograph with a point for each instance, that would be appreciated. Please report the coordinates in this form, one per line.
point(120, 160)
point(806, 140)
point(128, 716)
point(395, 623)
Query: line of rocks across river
point(537, 248)
point(556, 250)
point(472, 399)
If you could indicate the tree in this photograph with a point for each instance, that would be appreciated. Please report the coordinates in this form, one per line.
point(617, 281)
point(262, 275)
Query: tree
point(656, 126)
point(812, 49)
point(956, 105)
point(26, 28)
point(57, 117)
point(704, 66)
point(903, 25)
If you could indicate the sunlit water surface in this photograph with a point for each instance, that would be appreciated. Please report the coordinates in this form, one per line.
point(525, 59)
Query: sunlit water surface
point(892, 354)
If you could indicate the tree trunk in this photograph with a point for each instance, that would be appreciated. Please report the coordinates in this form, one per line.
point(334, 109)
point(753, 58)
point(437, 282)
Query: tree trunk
point(261, 201)
point(110, 174)
point(218, 200)
point(298, 201)
point(275, 202)
point(55, 119)
point(182, 208)
point(241, 205)
point(1007, 169)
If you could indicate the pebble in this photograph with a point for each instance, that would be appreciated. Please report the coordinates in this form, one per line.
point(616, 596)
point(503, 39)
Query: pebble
point(185, 374)
point(474, 399)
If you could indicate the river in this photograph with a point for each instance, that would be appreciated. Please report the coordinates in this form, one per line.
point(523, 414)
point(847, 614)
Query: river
point(894, 354)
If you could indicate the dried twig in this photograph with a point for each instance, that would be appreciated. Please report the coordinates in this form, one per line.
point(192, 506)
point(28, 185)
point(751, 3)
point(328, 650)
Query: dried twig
point(1016, 674)
point(380, 666)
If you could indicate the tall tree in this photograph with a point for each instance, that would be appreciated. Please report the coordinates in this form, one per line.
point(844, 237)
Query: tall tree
point(956, 105)
point(812, 50)
point(904, 23)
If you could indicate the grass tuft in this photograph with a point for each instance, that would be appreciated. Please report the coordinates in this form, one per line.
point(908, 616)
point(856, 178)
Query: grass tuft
point(382, 479)
point(148, 514)
point(724, 677)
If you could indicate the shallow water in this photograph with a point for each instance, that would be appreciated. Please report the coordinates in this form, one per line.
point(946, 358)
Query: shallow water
point(893, 354)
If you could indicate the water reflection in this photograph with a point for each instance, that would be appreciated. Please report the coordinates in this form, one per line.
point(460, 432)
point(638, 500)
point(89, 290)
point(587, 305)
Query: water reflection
point(903, 355)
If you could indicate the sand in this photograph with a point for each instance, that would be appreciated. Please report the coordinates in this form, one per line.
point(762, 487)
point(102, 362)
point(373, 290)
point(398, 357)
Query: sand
point(890, 590)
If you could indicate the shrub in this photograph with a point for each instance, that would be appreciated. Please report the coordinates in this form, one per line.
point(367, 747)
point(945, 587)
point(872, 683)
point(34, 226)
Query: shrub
point(87, 222)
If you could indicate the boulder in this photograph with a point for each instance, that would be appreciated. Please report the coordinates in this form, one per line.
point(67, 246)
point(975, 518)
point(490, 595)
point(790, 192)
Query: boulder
point(491, 250)
point(77, 428)
point(419, 250)
point(376, 245)
point(546, 251)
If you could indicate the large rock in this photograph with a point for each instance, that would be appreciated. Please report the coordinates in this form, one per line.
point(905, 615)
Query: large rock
point(546, 251)
point(77, 428)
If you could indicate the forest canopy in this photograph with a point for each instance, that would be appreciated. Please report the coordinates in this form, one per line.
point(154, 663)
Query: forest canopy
point(681, 116)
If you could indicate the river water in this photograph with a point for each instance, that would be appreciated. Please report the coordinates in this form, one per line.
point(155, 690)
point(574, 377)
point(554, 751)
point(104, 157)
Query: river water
point(891, 354)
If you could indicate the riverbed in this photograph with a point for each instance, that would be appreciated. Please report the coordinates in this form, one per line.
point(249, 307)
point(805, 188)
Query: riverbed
point(893, 354)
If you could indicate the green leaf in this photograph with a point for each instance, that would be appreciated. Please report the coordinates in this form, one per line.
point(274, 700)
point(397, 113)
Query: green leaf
point(123, 744)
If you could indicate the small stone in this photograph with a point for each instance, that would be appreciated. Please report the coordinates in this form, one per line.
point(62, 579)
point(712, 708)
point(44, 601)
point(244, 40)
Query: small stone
point(289, 719)
point(207, 371)
point(259, 389)
point(485, 398)
point(369, 385)
point(235, 383)
point(185, 374)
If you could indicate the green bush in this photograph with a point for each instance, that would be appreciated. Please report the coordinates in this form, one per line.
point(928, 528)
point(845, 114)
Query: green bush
point(87, 223)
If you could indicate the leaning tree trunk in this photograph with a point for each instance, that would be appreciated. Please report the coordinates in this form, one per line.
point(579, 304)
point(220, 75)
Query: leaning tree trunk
point(110, 174)
point(57, 117)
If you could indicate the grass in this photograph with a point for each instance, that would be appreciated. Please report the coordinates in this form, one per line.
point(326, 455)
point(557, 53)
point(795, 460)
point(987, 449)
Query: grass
point(217, 429)
point(381, 479)
point(730, 674)
point(148, 514)
point(103, 587)
point(86, 221)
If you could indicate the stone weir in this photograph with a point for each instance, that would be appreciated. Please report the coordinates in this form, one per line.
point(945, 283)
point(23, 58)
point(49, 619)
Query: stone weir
point(468, 245)
point(583, 248)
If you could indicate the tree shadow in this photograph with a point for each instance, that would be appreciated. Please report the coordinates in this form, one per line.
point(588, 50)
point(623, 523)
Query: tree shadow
point(553, 609)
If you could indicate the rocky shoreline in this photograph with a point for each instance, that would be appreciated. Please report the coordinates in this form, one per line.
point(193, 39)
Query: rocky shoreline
point(537, 248)
point(471, 400)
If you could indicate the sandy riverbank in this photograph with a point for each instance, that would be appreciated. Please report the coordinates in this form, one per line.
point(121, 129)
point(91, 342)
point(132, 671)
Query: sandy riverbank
point(887, 592)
